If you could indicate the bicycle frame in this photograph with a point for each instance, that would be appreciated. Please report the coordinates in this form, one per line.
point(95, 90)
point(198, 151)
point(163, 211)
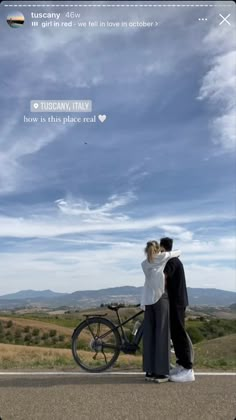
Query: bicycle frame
point(139, 333)
point(126, 345)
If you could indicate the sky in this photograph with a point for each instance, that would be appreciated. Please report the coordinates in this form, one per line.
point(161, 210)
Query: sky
point(76, 216)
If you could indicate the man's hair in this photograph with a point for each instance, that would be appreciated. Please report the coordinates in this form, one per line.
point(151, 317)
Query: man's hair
point(166, 243)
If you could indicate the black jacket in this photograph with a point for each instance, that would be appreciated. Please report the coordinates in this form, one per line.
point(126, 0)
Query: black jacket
point(176, 283)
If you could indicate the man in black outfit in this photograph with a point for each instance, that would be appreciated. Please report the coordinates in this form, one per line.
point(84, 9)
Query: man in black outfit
point(178, 301)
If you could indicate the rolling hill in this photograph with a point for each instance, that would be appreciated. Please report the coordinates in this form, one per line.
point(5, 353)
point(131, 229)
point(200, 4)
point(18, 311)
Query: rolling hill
point(93, 298)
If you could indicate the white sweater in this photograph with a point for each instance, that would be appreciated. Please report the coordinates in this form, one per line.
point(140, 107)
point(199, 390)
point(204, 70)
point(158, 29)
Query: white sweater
point(154, 285)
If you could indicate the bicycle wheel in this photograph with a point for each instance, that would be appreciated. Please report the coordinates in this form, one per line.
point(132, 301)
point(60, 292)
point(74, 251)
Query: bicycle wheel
point(95, 344)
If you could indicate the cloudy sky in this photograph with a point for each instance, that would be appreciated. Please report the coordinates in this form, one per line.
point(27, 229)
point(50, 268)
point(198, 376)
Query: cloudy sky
point(76, 216)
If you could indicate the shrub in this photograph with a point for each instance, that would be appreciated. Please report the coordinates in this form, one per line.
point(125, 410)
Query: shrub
point(54, 340)
point(27, 329)
point(9, 324)
point(45, 336)
point(28, 337)
point(195, 334)
point(35, 332)
point(18, 333)
point(61, 337)
point(52, 333)
point(19, 340)
point(213, 329)
point(222, 362)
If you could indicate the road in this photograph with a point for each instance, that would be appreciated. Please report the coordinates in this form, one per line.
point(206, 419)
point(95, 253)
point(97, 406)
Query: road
point(115, 397)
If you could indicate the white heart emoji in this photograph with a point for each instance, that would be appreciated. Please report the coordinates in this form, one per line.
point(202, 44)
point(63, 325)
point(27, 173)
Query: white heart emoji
point(102, 118)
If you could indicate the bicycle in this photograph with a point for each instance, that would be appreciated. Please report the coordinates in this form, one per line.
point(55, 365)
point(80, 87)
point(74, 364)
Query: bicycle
point(97, 342)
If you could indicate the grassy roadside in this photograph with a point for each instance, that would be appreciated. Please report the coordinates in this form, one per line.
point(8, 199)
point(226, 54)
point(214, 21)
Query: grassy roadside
point(22, 357)
point(217, 354)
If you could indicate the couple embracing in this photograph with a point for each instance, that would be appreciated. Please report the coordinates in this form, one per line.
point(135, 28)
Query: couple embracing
point(165, 299)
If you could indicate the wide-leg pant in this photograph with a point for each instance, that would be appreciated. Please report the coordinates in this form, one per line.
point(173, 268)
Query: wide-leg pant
point(182, 343)
point(156, 337)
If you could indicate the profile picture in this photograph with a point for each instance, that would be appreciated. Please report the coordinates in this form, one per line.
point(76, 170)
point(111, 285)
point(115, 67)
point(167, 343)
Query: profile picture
point(15, 19)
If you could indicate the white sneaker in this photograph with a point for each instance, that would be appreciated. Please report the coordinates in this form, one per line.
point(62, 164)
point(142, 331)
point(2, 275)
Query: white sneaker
point(176, 369)
point(184, 375)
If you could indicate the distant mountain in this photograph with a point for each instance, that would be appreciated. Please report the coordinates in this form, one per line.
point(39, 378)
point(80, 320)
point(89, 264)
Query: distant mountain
point(210, 297)
point(93, 298)
point(31, 294)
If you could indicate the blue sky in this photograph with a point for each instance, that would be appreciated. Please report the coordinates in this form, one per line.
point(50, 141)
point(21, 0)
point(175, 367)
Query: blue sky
point(76, 216)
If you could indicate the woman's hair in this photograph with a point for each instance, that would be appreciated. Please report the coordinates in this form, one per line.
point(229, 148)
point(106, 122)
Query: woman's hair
point(152, 248)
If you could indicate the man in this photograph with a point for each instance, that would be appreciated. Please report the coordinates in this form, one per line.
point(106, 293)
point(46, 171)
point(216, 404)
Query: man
point(178, 300)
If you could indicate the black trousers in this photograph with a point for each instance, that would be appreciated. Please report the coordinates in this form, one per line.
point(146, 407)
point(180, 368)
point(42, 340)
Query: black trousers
point(156, 337)
point(181, 342)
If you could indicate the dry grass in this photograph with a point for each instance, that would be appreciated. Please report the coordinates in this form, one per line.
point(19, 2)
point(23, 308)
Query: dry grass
point(224, 315)
point(25, 357)
point(218, 347)
point(217, 353)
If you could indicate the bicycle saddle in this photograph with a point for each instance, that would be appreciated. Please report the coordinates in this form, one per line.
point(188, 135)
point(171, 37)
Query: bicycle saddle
point(115, 307)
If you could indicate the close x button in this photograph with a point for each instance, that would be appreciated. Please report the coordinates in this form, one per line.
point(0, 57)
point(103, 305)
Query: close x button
point(224, 19)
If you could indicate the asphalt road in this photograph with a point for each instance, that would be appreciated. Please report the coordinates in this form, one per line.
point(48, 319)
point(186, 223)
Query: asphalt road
point(115, 397)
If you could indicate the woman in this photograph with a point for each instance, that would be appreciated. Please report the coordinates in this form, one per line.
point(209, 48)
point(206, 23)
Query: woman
point(156, 336)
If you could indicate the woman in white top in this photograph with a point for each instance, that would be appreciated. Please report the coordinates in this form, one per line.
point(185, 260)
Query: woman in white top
point(156, 337)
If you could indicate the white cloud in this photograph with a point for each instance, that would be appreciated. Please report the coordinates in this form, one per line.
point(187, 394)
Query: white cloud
point(9, 174)
point(102, 213)
point(113, 264)
point(224, 130)
point(81, 218)
point(178, 231)
point(219, 40)
point(212, 276)
point(219, 86)
point(30, 140)
point(219, 83)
